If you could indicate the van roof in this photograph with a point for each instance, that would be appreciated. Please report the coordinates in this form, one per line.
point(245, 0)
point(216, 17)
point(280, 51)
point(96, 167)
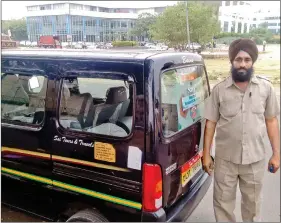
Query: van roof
point(97, 54)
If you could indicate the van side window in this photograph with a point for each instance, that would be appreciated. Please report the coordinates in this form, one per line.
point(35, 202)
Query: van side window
point(23, 98)
point(97, 105)
point(183, 92)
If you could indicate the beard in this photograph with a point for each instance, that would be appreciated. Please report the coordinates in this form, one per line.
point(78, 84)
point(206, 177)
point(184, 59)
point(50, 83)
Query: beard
point(241, 75)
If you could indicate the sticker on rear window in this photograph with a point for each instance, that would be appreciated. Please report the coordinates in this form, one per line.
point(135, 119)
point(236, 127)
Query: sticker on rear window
point(104, 152)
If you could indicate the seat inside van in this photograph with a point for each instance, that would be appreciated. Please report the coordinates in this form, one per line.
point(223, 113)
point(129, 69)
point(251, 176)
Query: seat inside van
point(115, 96)
point(89, 111)
point(76, 110)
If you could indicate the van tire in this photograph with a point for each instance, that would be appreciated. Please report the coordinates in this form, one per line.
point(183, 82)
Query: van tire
point(88, 215)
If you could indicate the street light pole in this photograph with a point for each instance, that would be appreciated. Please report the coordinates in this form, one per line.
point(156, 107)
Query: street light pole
point(187, 26)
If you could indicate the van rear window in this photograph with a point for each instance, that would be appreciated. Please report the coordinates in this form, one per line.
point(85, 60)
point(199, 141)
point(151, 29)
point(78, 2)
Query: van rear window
point(23, 98)
point(97, 105)
point(183, 92)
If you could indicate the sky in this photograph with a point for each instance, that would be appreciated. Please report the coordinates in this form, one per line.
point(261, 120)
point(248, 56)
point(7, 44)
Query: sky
point(17, 9)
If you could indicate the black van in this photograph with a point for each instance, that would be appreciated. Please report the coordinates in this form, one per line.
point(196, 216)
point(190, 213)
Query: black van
point(103, 136)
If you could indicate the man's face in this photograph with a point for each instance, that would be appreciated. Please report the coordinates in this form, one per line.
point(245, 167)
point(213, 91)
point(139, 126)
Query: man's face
point(242, 67)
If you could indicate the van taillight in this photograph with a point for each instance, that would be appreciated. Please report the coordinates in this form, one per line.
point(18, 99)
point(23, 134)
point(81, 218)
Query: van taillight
point(152, 187)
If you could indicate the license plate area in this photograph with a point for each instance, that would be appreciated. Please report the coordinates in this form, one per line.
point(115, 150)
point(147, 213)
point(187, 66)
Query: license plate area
point(190, 168)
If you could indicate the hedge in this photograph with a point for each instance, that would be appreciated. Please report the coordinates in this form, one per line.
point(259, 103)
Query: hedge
point(123, 43)
point(229, 37)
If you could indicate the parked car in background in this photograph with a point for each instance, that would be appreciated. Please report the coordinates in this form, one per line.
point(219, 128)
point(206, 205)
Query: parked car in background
point(108, 45)
point(92, 47)
point(101, 45)
point(194, 47)
point(80, 45)
point(65, 44)
point(162, 46)
point(23, 42)
point(150, 45)
point(33, 44)
point(27, 43)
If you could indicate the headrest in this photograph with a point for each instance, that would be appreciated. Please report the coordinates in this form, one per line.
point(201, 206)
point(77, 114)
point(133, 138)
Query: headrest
point(116, 95)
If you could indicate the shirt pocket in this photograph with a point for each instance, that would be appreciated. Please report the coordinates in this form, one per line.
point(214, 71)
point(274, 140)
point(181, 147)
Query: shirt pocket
point(257, 104)
point(230, 107)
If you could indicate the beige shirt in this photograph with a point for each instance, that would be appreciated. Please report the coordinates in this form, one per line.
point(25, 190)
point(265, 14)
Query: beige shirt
point(240, 117)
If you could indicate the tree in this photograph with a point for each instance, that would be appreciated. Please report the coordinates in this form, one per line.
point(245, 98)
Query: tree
point(260, 34)
point(143, 23)
point(263, 25)
point(17, 27)
point(171, 25)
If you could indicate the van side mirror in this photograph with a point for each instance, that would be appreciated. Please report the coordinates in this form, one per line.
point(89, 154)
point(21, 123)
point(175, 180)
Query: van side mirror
point(33, 83)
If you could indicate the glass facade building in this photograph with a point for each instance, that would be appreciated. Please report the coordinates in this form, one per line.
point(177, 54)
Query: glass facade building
point(83, 22)
point(81, 28)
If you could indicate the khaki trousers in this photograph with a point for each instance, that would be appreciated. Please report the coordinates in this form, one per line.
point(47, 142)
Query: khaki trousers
point(226, 177)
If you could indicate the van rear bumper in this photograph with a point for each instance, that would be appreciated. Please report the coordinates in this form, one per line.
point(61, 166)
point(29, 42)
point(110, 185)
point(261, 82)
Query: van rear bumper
point(184, 207)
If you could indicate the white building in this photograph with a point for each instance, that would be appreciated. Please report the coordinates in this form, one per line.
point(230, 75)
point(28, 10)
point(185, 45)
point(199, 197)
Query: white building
point(241, 16)
point(89, 21)
point(235, 16)
point(269, 16)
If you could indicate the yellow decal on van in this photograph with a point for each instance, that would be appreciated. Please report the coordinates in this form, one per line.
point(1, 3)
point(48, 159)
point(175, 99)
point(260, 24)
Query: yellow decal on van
point(105, 152)
point(68, 160)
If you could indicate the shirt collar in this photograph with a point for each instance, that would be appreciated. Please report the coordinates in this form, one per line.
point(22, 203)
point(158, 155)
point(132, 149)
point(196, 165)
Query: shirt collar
point(255, 79)
point(229, 82)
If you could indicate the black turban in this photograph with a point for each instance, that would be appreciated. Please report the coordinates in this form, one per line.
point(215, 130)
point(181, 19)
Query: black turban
point(247, 45)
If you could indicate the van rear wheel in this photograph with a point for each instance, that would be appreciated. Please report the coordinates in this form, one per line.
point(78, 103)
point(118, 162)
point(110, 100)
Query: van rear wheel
point(88, 215)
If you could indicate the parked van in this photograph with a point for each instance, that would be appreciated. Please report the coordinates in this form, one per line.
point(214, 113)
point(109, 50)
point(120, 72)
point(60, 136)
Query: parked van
point(103, 136)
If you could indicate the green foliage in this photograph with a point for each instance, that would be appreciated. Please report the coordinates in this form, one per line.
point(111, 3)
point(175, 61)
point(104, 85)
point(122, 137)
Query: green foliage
point(257, 34)
point(170, 26)
point(17, 27)
point(260, 34)
point(123, 43)
point(224, 34)
point(143, 23)
point(275, 39)
point(263, 25)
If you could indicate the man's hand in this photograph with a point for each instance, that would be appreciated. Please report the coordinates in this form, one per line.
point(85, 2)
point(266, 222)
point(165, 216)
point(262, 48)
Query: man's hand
point(275, 162)
point(273, 134)
point(208, 164)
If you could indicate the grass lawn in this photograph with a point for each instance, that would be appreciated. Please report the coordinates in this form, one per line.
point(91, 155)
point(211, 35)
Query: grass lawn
point(219, 68)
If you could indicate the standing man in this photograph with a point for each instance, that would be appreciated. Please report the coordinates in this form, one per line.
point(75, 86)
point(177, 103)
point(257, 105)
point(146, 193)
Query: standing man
point(264, 44)
point(242, 109)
